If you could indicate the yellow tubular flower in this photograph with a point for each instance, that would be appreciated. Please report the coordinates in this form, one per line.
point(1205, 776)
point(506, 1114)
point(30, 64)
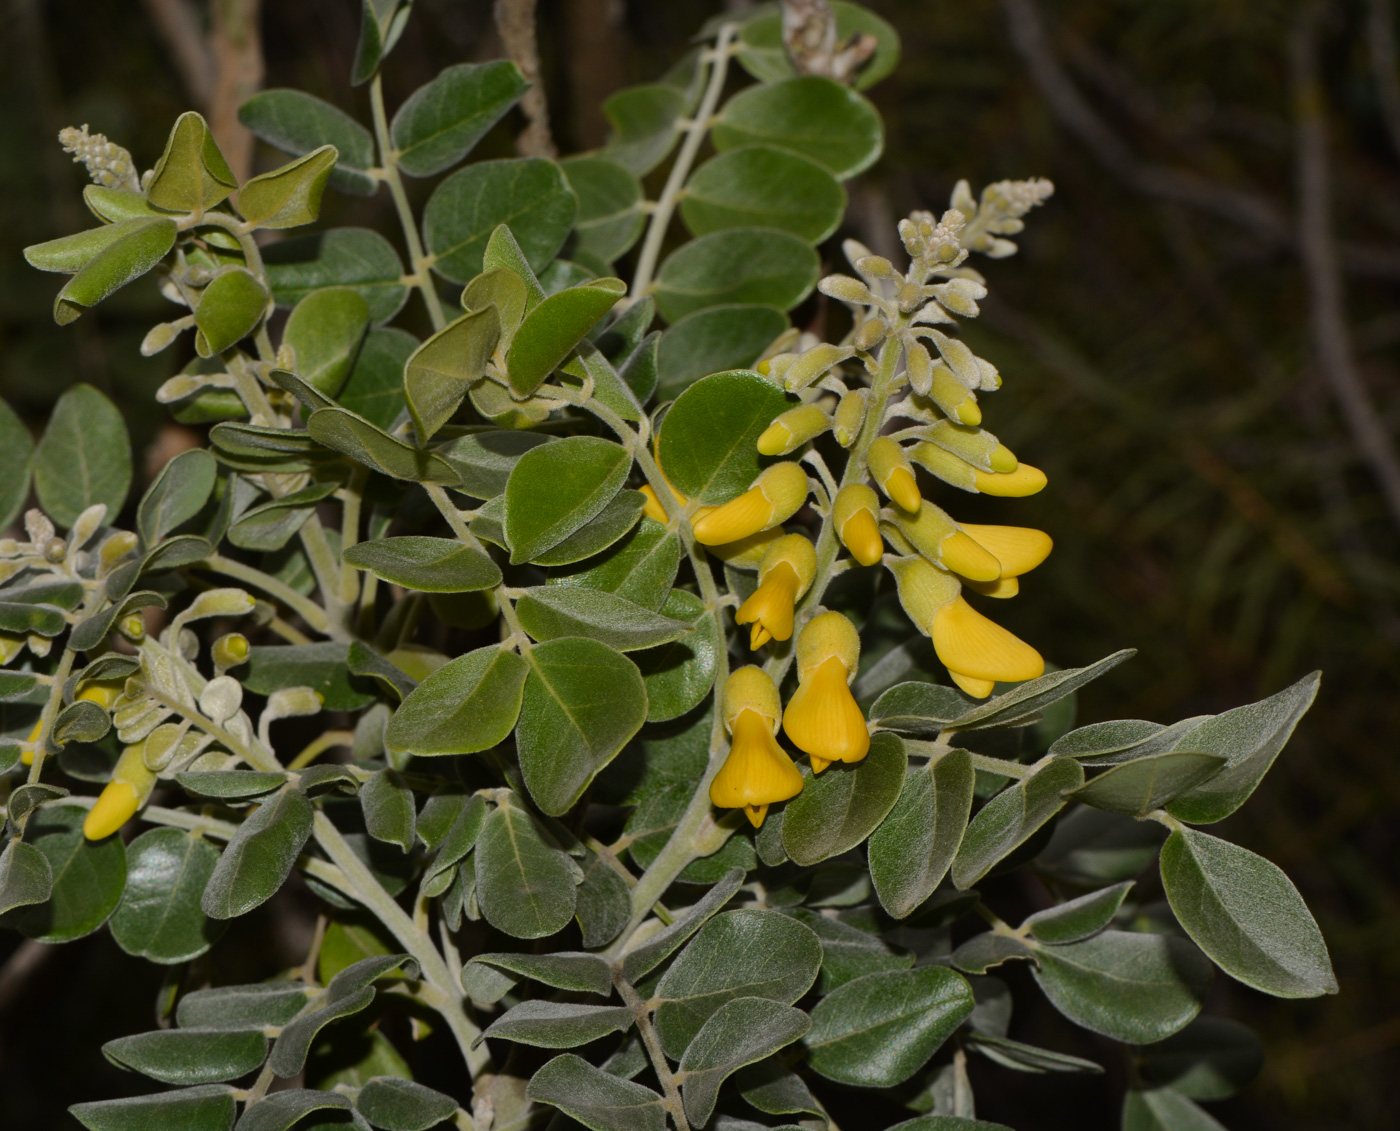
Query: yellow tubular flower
point(784, 575)
point(935, 535)
point(855, 514)
point(822, 717)
point(1019, 549)
point(123, 796)
point(892, 473)
point(973, 445)
point(923, 590)
point(793, 429)
point(757, 772)
point(1025, 480)
point(776, 495)
point(978, 652)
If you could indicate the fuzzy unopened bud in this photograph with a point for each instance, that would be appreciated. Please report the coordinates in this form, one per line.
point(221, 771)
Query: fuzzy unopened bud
point(892, 474)
point(792, 429)
point(229, 651)
point(849, 417)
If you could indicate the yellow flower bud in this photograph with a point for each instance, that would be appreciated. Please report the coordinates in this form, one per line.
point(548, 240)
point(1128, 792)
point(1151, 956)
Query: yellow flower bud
point(784, 575)
point(855, 514)
point(654, 508)
point(822, 717)
point(973, 445)
point(31, 744)
point(1019, 549)
point(133, 627)
point(1025, 480)
point(229, 651)
point(117, 547)
point(935, 535)
point(953, 397)
point(923, 590)
point(792, 429)
point(891, 471)
point(104, 692)
point(850, 417)
point(813, 363)
point(776, 495)
point(757, 771)
point(978, 652)
point(120, 799)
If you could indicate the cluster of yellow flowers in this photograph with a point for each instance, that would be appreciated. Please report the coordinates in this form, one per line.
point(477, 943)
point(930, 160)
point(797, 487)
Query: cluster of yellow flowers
point(934, 558)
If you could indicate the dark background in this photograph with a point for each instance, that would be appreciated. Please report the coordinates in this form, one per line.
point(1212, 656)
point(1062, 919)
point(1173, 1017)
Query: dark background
point(1221, 257)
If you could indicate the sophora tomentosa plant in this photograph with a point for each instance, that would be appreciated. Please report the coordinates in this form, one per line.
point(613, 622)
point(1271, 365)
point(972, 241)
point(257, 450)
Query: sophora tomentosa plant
point(559, 584)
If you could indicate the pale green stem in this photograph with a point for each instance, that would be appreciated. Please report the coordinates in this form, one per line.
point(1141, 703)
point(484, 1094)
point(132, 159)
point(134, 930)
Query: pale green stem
point(389, 162)
point(322, 742)
point(304, 607)
point(448, 998)
point(647, 1031)
point(694, 135)
point(50, 712)
point(350, 532)
point(327, 571)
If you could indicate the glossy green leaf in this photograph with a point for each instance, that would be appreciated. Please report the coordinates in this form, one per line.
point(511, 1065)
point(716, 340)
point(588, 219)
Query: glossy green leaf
point(1251, 738)
point(610, 217)
point(640, 567)
point(1144, 784)
point(741, 265)
point(16, 463)
point(1078, 918)
point(840, 807)
point(437, 375)
point(524, 883)
point(160, 918)
point(645, 122)
point(177, 495)
point(185, 1057)
point(736, 955)
point(373, 447)
point(208, 1108)
point(529, 194)
point(88, 877)
point(298, 123)
point(388, 807)
point(576, 970)
point(879, 1030)
point(758, 186)
point(1163, 1109)
point(554, 489)
point(395, 1104)
point(357, 258)
point(290, 196)
point(429, 565)
point(583, 701)
point(1135, 988)
point(242, 1007)
point(763, 55)
point(1246, 915)
point(739, 1033)
point(714, 340)
point(191, 175)
point(707, 445)
point(84, 456)
point(1210, 1059)
point(914, 846)
point(327, 329)
point(1033, 696)
point(1008, 820)
point(229, 309)
point(599, 1101)
point(259, 857)
point(469, 704)
point(553, 328)
point(622, 513)
point(441, 121)
point(548, 612)
point(558, 1025)
point(26, 876)
point(812, 115)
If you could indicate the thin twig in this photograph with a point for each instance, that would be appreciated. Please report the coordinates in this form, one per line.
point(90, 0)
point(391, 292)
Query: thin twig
point(1326, 300)
point(515, 20)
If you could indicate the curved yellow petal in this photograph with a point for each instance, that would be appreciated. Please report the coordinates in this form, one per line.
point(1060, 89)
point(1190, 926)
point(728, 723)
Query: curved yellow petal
point(1002, 587)
point(977, 688)
point(652, 508)
point(1019, 549)
point(967, 558)
point(116, 805)
point(1025, 480)
point(861, 535)
point(968, 643)
point(770, 607)
point(903, 489)
point(757, 772)
point(738, 518)
point(822, 717)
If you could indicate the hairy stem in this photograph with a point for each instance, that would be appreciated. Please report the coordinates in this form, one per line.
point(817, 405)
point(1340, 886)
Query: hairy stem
point(694, 134)
point(304, 607)
point(647, 1031)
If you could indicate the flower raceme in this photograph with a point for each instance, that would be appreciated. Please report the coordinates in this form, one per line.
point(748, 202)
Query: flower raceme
point(784, 575)
point(822, 717)
point(757, 771)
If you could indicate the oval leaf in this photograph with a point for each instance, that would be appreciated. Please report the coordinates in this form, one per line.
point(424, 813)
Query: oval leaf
point(839, 808)
point(467, 705)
